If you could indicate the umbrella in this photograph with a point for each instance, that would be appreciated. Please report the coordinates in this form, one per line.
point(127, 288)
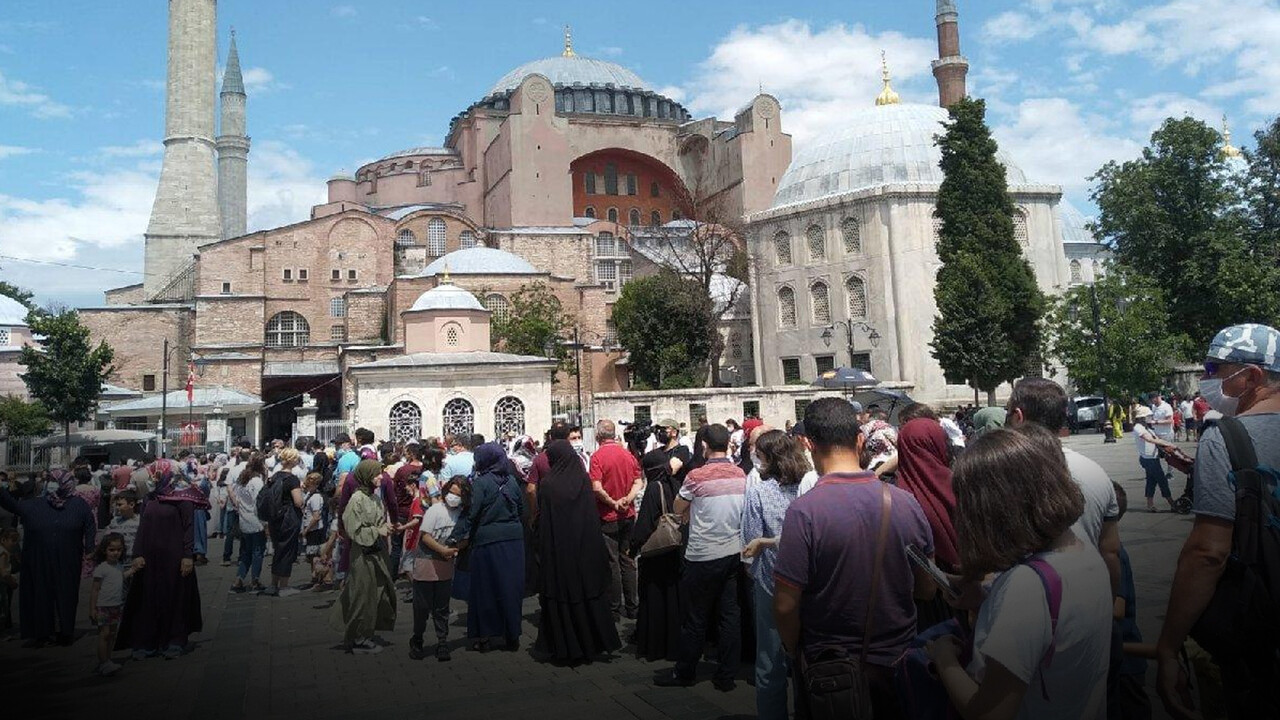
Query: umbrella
point(891, 401)
point(845, 378)
point(97, 437)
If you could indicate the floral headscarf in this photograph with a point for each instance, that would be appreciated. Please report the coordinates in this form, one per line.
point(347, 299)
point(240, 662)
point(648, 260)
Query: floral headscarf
point(66, 487)
point(882, 439)
point(172, 484)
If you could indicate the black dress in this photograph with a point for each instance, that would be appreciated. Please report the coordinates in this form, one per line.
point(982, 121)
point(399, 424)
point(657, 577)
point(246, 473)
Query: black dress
point(576, 622)
point(661, 601)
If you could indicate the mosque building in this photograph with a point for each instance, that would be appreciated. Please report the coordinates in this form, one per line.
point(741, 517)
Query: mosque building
point(556, 175)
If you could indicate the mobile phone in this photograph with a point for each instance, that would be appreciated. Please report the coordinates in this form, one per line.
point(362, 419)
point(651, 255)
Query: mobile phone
point(939, 577)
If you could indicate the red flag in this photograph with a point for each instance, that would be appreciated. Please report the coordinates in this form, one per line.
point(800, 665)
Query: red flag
point(191, 382)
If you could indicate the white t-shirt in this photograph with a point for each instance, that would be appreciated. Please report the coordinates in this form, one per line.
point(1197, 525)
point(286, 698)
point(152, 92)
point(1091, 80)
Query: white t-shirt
point(1100, 502)
point(127, 528)
point(312, 507)
point(1146, 449)
point(111, 593)
point(1014, 629)
point(1187, 410)
point(246, 499)
point(807, 483)
point(1162, 420)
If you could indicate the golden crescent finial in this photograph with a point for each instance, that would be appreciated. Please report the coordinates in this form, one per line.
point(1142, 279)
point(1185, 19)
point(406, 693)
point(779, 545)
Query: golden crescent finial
point(568, 41)
point(1228, 150)
point(446, 272)
point(887, 96)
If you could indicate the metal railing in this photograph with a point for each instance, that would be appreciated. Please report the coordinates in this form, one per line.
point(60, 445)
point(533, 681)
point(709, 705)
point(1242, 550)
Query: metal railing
point(179, 288)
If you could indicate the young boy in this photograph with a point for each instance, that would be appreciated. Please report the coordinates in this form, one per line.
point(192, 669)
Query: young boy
point(1127, 697)
point(126, 520)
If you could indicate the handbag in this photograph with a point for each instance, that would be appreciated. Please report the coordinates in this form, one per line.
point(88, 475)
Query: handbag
point(835, 685)
point(667, 534)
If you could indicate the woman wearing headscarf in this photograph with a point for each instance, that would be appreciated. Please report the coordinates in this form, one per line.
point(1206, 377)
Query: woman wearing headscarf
point(60, 530)
point(492, 529)
point(658, 583)
point(987, 419)
point(924, 470)
point(576, 622)
point(163, 605)
point(367, 603)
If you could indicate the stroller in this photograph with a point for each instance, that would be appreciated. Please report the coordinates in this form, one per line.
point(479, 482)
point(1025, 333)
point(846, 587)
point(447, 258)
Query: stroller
point(1185, 464)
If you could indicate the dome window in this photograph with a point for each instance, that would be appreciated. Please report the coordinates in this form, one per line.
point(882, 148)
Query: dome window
point(856, 289)
point(634, 217)
point(1077, 274)
point(1020, 232)
point(613, 215)
point(589, 212)
point(499, 306)
point(436, 231)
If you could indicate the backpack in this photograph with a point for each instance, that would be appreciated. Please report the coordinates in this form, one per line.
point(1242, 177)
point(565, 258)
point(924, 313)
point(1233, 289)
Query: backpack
point(1243, 617)
point(270, 503)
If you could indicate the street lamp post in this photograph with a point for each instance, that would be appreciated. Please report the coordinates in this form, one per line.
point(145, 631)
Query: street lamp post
point(164, 402)
point(1102, 361)
point(577, 346)
point(849, 326)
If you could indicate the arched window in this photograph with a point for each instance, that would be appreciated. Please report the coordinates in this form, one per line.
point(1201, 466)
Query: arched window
point(452, 335)
point(435, 237)
point(786, 307)
point(856, 288)
point(820, 301)
point(338, 307)
point(497, 305)
point(1020, 227)
point(508, 417)
point(613, 215)
point(405, 422)
point(634, 217)
point(589, 212)
point(817, 243)
point(1077, 274)
point(459, 417)
point(654, 190)
point(782, 247)
point(655, 218)
point(287, 329)
point(467, 240)
point(406, 238)
point(852, 234)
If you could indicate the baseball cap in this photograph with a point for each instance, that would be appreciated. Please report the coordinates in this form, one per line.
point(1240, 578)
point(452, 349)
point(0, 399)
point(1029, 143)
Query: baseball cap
point(1247, 344)
point(797, 430)
point(669, 423)
point(857, 406)
point(751, 424)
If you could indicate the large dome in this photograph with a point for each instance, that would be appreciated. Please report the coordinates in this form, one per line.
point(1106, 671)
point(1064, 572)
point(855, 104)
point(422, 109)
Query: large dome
point(1074, 225)
point(12, 312)
point(568, 71)
point(879, 146)
point(446, 297)
point(479, 261)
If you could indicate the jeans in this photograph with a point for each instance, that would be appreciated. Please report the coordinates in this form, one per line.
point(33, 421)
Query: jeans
point(252, 547)
point(704, 583)
point(771, 660)
point(201, 532)
point(397, 549)
point(229, 517)
point(1155, 478)
point(431, 597)
point(623, 595)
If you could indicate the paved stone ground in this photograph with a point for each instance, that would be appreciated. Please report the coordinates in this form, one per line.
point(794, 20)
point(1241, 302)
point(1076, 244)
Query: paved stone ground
point(264, 657)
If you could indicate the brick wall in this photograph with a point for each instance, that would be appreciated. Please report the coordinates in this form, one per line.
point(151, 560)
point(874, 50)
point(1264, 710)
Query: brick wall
point(137, 336)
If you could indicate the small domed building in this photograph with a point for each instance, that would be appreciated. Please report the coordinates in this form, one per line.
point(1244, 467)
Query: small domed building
point(14, 334)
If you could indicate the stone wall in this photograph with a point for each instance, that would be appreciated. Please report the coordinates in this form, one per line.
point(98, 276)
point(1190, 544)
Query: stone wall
point(777, 405)
point(137, 335)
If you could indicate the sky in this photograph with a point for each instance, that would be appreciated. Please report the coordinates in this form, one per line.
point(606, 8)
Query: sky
point(1069, 84)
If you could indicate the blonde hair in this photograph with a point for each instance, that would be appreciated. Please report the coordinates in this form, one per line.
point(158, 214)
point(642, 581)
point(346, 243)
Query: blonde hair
point(289, 457)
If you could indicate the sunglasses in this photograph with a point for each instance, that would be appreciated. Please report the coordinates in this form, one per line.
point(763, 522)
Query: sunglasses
point(1211, 368)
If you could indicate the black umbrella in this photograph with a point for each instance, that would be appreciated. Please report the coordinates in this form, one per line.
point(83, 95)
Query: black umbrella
point(845, 378)
point(891, 401)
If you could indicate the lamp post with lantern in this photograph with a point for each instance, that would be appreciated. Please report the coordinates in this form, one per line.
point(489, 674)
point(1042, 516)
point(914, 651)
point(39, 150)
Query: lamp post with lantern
point(849, 326)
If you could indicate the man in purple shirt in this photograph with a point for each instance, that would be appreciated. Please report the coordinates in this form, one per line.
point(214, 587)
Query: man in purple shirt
point(827, 556)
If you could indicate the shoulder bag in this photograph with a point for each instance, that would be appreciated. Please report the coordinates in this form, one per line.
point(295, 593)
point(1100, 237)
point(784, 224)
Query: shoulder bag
point(667, 535)
point(835, 685)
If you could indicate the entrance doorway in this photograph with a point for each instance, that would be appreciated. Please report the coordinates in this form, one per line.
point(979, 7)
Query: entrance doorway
point(282, 396)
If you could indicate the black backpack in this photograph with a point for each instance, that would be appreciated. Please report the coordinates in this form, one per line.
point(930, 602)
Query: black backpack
point(1243, 618)
point(270, 504)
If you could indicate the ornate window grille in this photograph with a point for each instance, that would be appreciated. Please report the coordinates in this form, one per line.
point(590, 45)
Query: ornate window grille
point(405, 422)
point(1020, 227)
point(498, 306)
point(467, 240)
point(288, 329)
point(435, 237)
point(856, 288)
point(820, 299)
point(452, 336)
point(1077, 275)
point(852, 233)
point(817, 243)
point(459, 417)
point(406, 238)
point(782, 247)
point(787, 307)
point(508, 416)
point(337, 307)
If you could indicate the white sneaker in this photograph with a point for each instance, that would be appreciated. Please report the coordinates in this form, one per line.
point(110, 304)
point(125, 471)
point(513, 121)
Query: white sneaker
point(365, 647)
point(288, 592)
point(108, 668)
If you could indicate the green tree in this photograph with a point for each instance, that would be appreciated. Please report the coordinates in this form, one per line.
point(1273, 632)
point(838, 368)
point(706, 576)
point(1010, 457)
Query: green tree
point(1175, 215)
point(533, 321)
point(1262, 192)
point(666, 322)
point(19, 418)
point(23, 296)
point(1134, 347)
point(987, 330)
point(67, 373)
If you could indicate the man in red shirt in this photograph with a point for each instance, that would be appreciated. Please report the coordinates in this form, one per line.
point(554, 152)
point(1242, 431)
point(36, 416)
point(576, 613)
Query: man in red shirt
point(1199, 407)
point(616, 480)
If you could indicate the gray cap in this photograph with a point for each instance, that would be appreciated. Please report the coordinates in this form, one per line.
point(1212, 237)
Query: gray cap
point(857, 406)
point(1248, 344)
point(669, 423)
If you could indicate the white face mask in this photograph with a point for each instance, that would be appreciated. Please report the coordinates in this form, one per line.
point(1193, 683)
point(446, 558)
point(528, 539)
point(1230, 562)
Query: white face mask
point(577, 445)
point(51, 487)
point(452, 500)
point(756, 461)
point(1211, 389)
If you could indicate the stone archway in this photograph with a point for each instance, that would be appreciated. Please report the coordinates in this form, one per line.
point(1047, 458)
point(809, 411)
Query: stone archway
point(626, 180)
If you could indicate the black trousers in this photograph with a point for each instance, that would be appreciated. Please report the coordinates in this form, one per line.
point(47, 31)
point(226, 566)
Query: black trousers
point(431, 598)
point(706, 583)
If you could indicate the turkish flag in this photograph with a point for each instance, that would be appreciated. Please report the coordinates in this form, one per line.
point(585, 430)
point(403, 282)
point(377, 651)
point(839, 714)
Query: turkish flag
point(191, 383)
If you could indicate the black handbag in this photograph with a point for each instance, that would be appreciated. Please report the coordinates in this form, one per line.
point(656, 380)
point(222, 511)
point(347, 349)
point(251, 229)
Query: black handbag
point(835, 685)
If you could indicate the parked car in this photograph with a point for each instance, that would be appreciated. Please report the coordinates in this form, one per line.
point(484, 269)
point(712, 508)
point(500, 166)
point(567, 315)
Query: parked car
point(1086, 411)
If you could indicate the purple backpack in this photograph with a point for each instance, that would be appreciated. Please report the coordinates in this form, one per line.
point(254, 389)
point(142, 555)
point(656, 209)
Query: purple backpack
point(920, 689)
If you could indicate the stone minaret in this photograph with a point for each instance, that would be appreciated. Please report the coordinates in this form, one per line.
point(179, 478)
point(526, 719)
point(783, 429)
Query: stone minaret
point(951, 67)
point(233, 149)
point(185, 213)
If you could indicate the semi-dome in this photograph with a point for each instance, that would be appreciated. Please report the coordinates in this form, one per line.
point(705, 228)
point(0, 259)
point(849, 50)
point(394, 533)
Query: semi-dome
point(479, 261)
point(446, 297)
point(1073, 225)
point(565, 71)
point(879, 145)
point(12, 312)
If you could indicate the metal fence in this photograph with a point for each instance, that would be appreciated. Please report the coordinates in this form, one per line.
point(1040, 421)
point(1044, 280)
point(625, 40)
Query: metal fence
point(327, 430)
point(21, 454)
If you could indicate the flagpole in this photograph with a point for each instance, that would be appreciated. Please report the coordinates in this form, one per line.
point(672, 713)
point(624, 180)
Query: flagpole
point(191, 390)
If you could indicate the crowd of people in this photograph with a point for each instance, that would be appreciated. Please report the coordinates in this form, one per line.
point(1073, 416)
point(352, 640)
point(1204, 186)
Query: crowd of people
point(837, 555)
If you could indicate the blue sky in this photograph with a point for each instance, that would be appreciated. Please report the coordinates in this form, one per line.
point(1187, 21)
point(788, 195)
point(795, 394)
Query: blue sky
point(1070, 85)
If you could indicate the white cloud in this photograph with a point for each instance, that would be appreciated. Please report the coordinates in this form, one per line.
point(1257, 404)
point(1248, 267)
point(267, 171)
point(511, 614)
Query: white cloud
point(609, 51)
point(1055, 142)
point(260, 80)
point(819, 75)
point(1011, 25)
point(1149, 112)
point(8, 151)
point(283, 186)
point(19, 94)
point(344, 11)
point(426, 22)
point(141, 148)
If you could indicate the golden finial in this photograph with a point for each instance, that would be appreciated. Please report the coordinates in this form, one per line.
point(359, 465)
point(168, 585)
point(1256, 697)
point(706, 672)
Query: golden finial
point(568, 41)
point(887, 96)
point(446, 273)
point(1228, 150)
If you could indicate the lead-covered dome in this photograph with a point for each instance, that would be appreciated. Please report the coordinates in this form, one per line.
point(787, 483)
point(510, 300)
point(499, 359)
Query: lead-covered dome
point(479, 261)
point(568, 71)
point(880, 145)
point(12, 312)
point(446, 297)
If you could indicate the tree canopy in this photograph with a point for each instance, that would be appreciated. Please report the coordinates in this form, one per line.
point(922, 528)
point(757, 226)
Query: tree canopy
point(532, 323)
point(26, 297)
point(19, 418)
point(989, 307)
point(67, 373)
point(666, 323)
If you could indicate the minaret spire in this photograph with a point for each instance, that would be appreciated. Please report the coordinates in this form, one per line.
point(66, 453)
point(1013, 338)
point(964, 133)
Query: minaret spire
point(1228, 151)
point(887, 96)
point(951, 67)
point(233, 149)
point(568, 42)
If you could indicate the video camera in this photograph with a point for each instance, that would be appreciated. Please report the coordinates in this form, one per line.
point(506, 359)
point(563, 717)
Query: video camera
point(636, 434)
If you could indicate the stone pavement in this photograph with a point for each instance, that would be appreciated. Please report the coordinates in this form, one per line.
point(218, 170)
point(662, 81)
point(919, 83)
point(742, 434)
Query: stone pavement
point(262, 657)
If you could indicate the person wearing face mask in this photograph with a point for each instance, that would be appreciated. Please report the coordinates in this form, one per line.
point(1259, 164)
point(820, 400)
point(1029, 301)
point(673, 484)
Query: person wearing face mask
point(575, 441)
point(667, 435)
point(1242, 381)
point(432, 569)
